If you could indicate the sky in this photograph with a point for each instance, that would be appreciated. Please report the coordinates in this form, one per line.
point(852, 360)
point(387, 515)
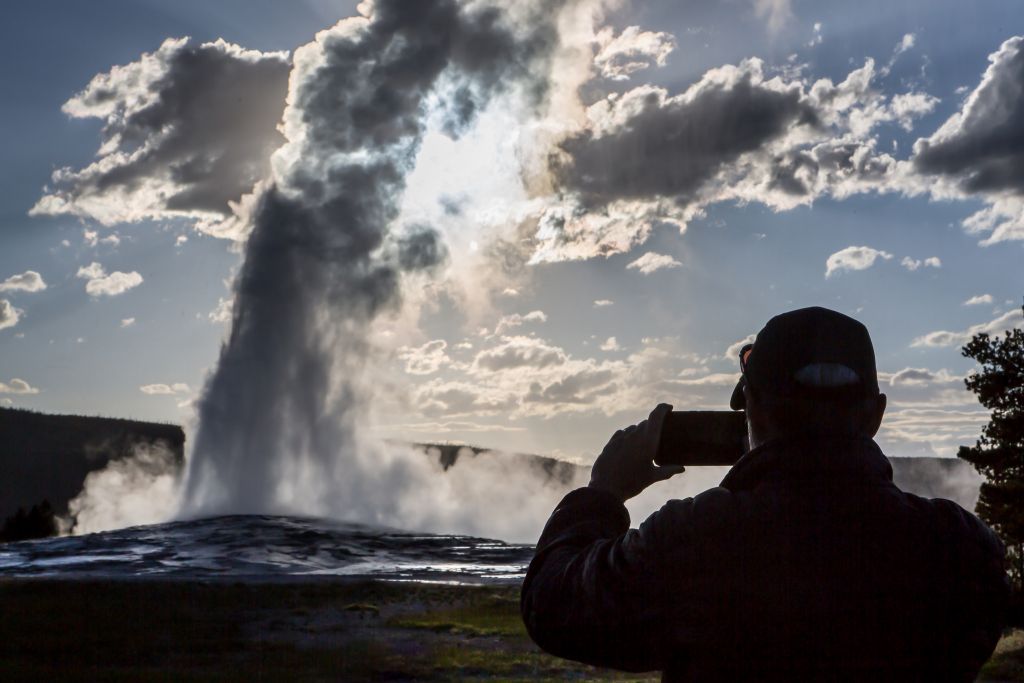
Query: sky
point(689, 171)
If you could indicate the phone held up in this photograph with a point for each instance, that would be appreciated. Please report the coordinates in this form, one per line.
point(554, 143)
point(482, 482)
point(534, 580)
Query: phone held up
point(703, 437)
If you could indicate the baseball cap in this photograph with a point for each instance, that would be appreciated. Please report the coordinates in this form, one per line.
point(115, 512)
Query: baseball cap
point(811, 352)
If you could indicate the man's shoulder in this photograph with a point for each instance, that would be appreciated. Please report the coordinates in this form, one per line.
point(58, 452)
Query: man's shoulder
point(959, 522)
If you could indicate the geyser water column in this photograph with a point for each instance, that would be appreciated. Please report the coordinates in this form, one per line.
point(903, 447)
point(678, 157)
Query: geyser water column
point(280, 416)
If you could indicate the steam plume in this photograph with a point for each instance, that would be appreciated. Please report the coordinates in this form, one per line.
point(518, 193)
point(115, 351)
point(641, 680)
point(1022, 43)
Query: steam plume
point(280, 416)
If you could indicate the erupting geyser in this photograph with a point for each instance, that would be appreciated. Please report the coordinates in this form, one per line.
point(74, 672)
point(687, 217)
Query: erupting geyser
point(280, 416)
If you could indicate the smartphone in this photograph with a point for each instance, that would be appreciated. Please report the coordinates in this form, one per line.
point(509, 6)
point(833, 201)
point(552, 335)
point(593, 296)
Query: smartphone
point(703, 437)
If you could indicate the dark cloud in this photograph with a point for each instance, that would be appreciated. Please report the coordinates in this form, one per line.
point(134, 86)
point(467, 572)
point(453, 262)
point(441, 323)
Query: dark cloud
point(421, 249)
point(671, 146)
point(187, 129)
point(831, 164)
point(644, 158)
point(982, 146)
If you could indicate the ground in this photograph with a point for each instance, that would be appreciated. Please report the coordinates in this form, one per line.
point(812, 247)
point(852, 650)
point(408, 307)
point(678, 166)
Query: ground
point(354, 631)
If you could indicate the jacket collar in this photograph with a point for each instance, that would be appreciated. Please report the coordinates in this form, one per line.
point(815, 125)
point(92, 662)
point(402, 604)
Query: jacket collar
point(815, 456)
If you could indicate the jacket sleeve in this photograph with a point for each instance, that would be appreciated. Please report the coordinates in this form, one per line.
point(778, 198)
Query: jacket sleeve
point(977, 562)
point(592, 592)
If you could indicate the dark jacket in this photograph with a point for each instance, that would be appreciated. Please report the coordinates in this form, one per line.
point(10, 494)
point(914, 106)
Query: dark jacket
point(807, 563)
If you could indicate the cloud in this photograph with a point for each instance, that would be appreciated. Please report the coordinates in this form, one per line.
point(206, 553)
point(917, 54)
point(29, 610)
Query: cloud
point(602, 303)
point(29, 281)
point(509, 322)
point(432, 429)
point(979, 299)
point(647, 143)
point(222, 312)
point(652, 262)
point(913, 264)
point(452, 398)
point(906, 43)
point(853, 258)
point(816, 39)
point(979, 150)
point(127, 322)
point(102, 284)
point(91, 272)
point(580, 387)
point(935, 431)
point(18, 387)
point(619, 56)
point(187, 131)
point(164, 389)
point(777, 13)
point(645, 158)
point(426, 359)
point(921, 377)
point(732, 353)
point(906, 107)
point(113, 284)
point(717, 379)
point(9, 315)
point(518, 352)
point(610, 344)
point(535, 378)
point(1012, 319)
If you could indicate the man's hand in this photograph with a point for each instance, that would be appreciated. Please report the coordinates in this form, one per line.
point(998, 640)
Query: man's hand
point(626, 465)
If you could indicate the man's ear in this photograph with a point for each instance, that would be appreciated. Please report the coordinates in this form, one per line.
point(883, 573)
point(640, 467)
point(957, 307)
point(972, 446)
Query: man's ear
point(875, 415)
point(757, 427)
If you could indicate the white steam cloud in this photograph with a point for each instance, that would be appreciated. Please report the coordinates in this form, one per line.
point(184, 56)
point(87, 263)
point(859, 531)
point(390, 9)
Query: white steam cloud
point(283, 416)
point(140, 489)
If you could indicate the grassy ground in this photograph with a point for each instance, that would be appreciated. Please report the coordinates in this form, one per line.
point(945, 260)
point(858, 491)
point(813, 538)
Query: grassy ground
point(157, 631)
point(162, 631)
point(1007, 662)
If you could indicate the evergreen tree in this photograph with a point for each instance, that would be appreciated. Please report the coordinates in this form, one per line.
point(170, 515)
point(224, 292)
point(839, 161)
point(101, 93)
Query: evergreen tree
point(999, 453)
point(39, 522)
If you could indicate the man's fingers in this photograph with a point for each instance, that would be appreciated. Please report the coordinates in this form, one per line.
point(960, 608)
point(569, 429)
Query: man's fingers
point(667, 471)
point(659, 413)
point(654, 425)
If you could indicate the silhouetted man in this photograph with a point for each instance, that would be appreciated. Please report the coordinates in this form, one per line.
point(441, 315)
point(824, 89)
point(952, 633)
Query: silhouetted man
point(806, 563)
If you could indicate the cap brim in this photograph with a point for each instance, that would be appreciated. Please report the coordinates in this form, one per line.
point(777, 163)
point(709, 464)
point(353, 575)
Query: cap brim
point(738, 400)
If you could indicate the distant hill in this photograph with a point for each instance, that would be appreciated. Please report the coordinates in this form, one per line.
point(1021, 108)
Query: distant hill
point(47, 457)
point(930, 477)
point(551, 469)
